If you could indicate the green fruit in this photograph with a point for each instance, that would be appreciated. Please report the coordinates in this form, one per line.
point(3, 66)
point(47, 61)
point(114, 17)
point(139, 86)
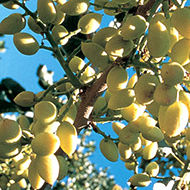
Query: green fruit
point(172, 73)
point(25, 99)
point(152, 169)
point(153, 108)
point(126, 136)
point(10, 131)
point(173, 119)
point(137, 145)
point(117, 127)
point(12, 24)
point(180, 51)
point(11, 5)
point(48, 168)
point(59, 33)
point(188, 151)
point(174, 37)
point(100, 3)
point(158, 40)
point(68, 137)
point(109, 149)
point(140, 180)
point(133, 111)
point(89, 23)
point(45, 111)
point(104, 35)
point(133, 27)
point(63, 167)
point(132, 81)
point(180, 19)
point(45, 144)
point(117, 79)
point(125, 150)
point(23, 164)
point(23, 121)
point(46, 11)
point(117, 47)
point(149, 152)
point(153, 134)
point(25, 43)
point(109, 11)
point(121, 99)
point(88, 75)
point(33, 176)
point(184, 97)
point(76, 64)
point(100, 105)
point(130, 165)
point(145, 87)
point(95, 54)
point(165, 95)
point(60, 15)
point(9, 150)
point(34, 26)
point(75, 7)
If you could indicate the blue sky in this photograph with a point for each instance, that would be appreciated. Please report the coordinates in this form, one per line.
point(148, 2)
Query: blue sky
point(23, 69)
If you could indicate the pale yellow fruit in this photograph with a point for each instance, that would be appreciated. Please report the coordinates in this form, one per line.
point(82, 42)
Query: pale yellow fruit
point(117, 79)
point(60, 15)
point(180, 19)
point(137, 146)
point(63, 167)
point(45, 111)
point(153, 108)
point(25, 99)
point(100, 105)
point(59, 34)
point(68, 137)
point(10, 131)
point(117, 47)
point(145, 87)
point(46, 11)
point(140, 180)
point(109, 149)
point(25, 43)
point(10, 5)
point(133, 27)
point(149, 152)
point(9, 150)
point(48, 168)
point(109, 11)
point(125, 150)
point(158, 40)
point(88, 75)
point(172, 73)
point(71, 113)
point(33, 176)
point(117, 127)
point(75, 7)
point(89, 23)
point(104, 35)
point(153, 134)
point(165, 95)
point(132, 81)
point(130, 165)
point(184, 97)
point(76, 64)
point(121, 99)
point(174, 119)
point(95, 54)
point(128, 137)
point(22, 183)
point(133, 111)
point(45, 144)
point(12, 24)
point(117, 187)
point(23, 164)
point(180, 51)
point(152, 169)
point(34, 26)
